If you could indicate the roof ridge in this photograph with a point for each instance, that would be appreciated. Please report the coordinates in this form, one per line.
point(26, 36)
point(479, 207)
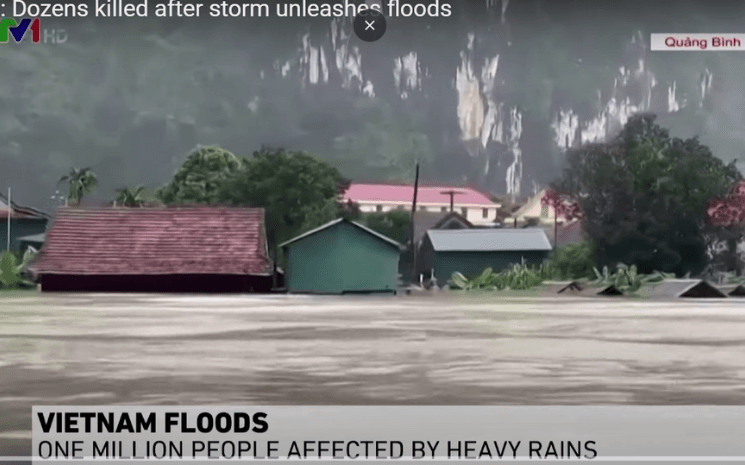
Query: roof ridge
point(420, 186)
point(334, 222)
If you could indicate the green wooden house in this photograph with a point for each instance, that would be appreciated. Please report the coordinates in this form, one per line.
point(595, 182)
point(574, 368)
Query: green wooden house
point(341, 257)
point(470, 251)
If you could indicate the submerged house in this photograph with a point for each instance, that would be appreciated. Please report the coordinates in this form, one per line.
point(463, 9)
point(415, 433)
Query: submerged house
point(186, 249)
point(341, 257)
point(470, 251)
point(424, 221)
point(24, 222)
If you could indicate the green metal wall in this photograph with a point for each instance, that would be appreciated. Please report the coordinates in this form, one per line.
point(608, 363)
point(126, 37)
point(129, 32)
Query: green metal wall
point(341, 258)
point(19, 228)
point(471, 263)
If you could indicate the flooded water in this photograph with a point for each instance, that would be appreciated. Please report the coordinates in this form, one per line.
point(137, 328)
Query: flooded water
point(295, 350)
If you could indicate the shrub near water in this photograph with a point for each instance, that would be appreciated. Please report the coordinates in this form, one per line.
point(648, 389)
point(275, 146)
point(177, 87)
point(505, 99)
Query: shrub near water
point(13, 274)
point(626, 278)
point(573, 261)
point(516, 277)
point(520, 277)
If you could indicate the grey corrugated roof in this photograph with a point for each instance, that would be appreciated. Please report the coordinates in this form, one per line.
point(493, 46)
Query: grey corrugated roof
point(489, 240)
point(340, 220)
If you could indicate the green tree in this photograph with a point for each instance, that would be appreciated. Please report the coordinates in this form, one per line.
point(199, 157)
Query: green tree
point(131, 196)
point(644, 197)
point(574, 261)
point(9, 276)
point(294, 188)
point(318, 215)
point(80, 182)
point(393, 224)
point(201, 177)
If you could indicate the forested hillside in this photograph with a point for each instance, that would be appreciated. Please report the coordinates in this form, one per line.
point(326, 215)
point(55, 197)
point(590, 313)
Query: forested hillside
point(490, 96)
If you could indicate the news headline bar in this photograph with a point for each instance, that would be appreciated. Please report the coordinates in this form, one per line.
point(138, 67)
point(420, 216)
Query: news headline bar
point(107, 434)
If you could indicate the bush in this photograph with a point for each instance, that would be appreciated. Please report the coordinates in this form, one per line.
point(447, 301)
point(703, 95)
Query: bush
point(13, 274)
point(573, 261)
point(516, 277)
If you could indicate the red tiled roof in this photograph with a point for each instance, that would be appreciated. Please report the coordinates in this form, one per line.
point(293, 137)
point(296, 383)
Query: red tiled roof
point(358, 192)
point(150, 241)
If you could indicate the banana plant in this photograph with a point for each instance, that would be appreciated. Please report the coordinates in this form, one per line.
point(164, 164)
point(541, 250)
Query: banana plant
point(13, 274)
point(483, 279)
point(601, 278)
point(28, 257)
point(517, 276)
point(627, 279)
point(458, 281)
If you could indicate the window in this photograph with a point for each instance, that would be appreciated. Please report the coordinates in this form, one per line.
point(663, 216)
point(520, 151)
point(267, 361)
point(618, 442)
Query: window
point(544, 211)
point(464, 211)
point(378, 208)
point(400, 207)
point(422, 209)
point(485, 213)
point(444, 209)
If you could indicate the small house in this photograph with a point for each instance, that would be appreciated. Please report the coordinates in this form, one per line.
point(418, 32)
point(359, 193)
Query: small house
point(424, 221)
point(185, 249)
point(341, 257)
point(24, 221)
point(470, 251)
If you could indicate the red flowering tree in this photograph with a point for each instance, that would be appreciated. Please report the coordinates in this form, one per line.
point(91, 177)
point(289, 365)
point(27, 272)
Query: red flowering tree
point(563, 206)
point(730, 210)
point(727, 215)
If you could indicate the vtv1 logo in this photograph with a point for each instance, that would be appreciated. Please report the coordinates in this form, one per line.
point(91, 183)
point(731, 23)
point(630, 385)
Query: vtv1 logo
point(19, 31)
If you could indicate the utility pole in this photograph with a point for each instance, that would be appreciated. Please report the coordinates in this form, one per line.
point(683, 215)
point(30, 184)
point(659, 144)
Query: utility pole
point(10, 211)
point(452, 195)
point(556, 228)
point(413, 239)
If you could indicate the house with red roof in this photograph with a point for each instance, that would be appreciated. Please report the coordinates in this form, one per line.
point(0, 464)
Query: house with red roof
point(183, 249)
point(475, 206)
point(24, 223)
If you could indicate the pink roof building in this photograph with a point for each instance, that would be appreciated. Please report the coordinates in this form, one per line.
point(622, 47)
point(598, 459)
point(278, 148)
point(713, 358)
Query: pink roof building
point(477, 207)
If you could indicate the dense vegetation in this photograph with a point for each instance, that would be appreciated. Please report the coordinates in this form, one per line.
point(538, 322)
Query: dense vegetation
point(132, 106)
point(13, 275)
point(645, 197)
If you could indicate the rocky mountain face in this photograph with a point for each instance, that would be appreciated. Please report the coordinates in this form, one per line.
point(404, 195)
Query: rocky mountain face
point(490, 96)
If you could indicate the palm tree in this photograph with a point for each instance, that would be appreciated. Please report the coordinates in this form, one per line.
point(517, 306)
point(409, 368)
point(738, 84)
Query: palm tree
point(80, 182)
point(130, 196)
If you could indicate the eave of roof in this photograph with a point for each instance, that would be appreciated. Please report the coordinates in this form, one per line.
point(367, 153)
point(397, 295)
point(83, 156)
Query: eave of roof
point(18, 211)
point(337, 221)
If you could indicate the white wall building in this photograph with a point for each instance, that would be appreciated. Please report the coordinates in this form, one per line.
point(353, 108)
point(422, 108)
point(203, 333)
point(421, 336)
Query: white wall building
point(475, 206)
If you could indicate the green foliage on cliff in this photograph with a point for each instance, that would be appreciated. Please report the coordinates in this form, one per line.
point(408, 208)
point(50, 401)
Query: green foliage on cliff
point(573, 261)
